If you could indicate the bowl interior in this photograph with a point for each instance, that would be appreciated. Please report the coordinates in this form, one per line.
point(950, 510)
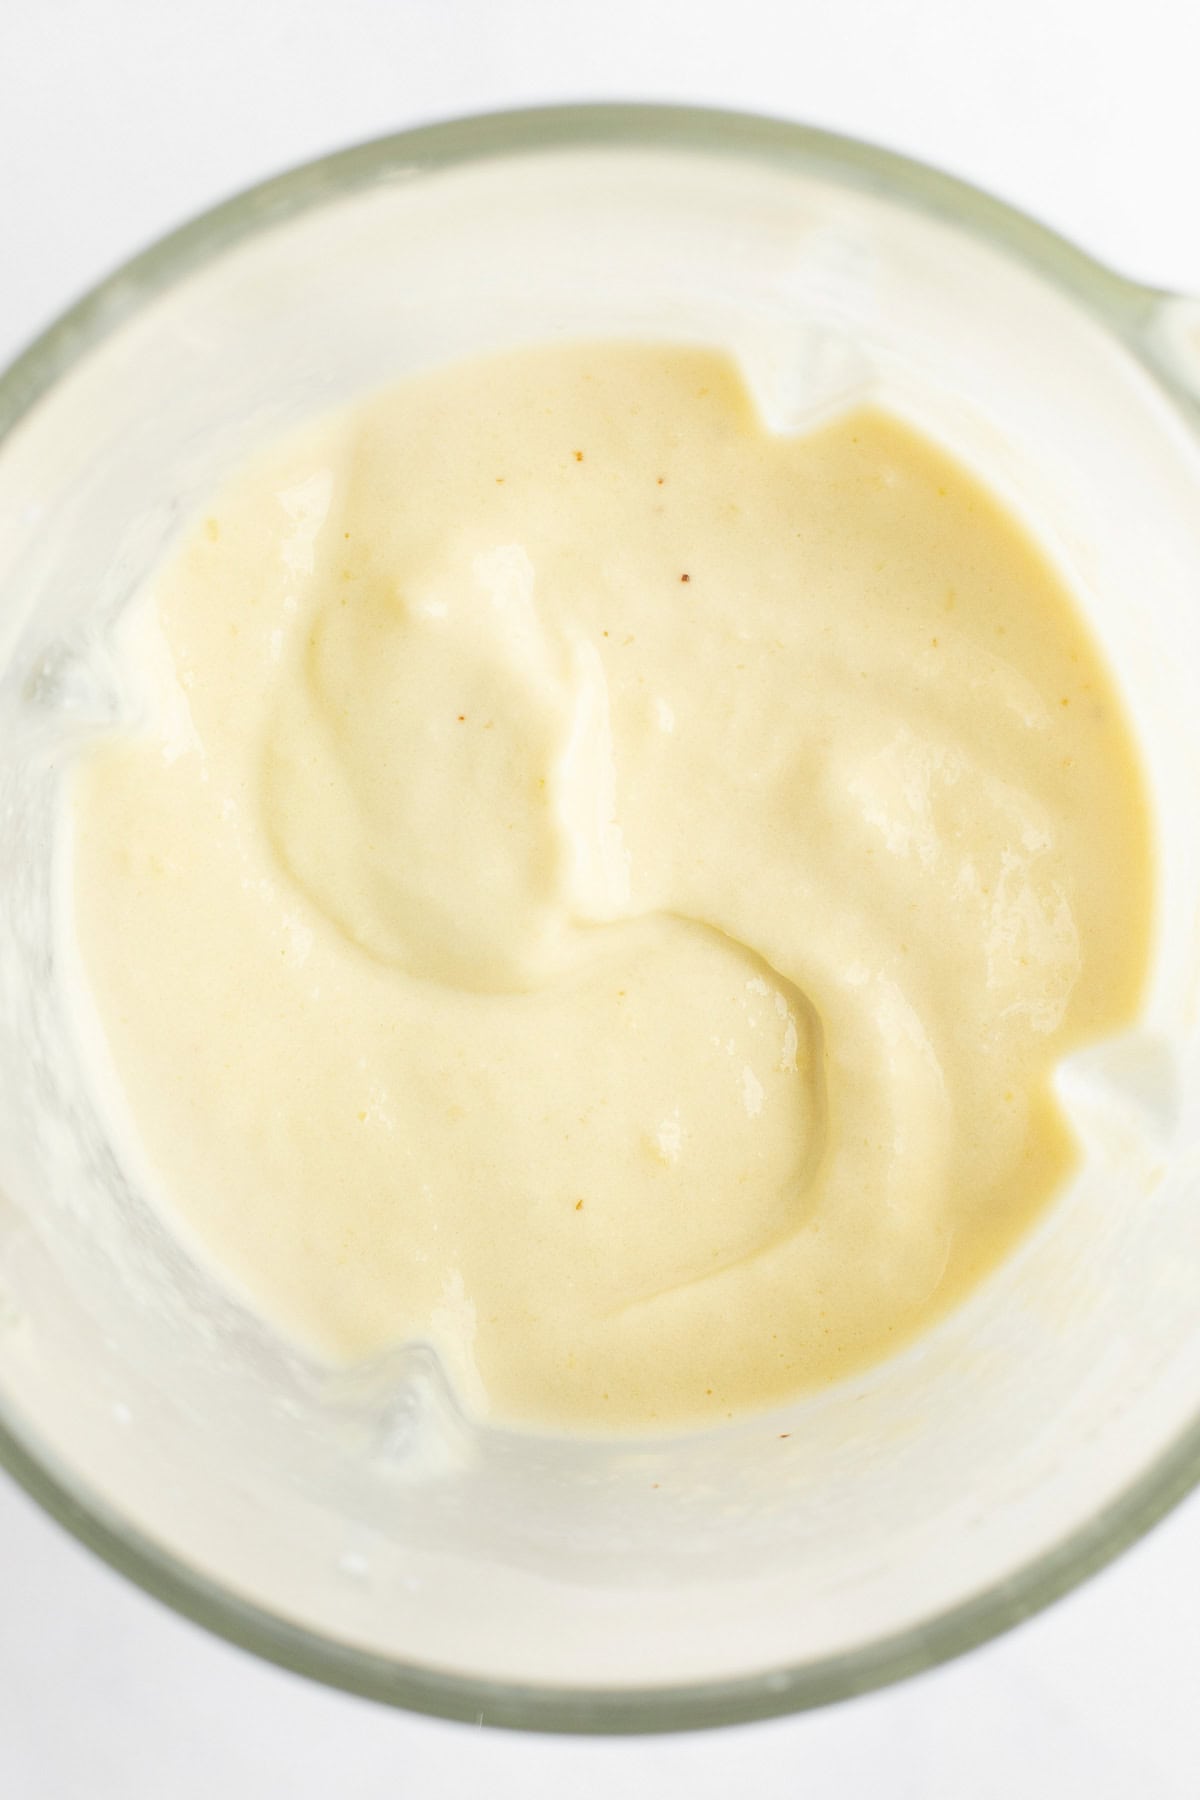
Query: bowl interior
point(357, 1523)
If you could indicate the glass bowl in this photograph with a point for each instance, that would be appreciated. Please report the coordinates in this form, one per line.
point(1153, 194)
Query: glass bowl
point(354, 1526)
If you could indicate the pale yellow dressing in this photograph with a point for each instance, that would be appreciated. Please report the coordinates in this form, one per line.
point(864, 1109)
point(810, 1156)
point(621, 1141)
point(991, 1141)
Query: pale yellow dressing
point(603, 888)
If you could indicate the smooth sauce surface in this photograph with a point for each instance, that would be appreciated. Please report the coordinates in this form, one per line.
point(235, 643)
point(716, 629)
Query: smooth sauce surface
point(603, 888)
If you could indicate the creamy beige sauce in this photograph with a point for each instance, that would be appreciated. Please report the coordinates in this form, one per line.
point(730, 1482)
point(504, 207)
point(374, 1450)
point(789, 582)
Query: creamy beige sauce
point(602, 888)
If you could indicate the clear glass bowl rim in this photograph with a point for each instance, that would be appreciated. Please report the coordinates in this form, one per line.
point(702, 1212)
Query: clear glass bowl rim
point(1126, 309)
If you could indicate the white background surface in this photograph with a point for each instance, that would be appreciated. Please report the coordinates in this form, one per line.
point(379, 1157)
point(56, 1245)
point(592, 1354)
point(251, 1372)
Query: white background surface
point(119, 119)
